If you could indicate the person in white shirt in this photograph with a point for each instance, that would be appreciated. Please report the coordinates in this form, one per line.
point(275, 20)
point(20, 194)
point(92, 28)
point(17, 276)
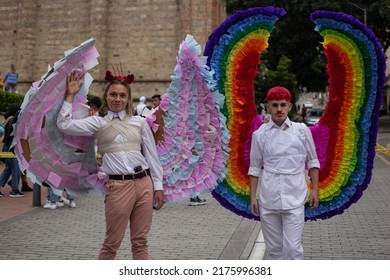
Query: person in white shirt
point(142, 109)
point(279, 151)
point(129, 159)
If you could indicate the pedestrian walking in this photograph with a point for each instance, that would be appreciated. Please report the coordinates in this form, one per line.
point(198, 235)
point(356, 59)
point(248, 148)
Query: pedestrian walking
point(280, 149)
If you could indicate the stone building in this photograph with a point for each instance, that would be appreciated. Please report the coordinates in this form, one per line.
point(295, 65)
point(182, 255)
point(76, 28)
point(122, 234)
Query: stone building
point(141, 35)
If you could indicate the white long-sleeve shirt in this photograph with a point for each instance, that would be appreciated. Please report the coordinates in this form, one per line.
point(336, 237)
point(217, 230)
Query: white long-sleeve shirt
point(283, 152)
point(116, 162)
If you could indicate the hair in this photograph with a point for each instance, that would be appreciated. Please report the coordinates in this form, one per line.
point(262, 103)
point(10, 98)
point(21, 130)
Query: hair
point(278, 93)
point(95, 100)
point(156, 96)
point(13, 109)
point(129, 108)
point(13, 69)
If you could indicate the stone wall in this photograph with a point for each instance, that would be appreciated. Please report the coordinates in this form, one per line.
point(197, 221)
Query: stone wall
point(141, 35)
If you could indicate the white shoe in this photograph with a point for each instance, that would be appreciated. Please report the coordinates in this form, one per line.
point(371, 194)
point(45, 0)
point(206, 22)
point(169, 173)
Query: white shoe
point(65, 200)
point(60, 204)
point(47, 204)
point(72, 204)
point(50, 205)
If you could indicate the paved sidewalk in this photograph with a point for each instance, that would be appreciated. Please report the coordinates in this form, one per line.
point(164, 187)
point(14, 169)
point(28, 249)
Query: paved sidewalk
point(179, 231)
point(203, 232)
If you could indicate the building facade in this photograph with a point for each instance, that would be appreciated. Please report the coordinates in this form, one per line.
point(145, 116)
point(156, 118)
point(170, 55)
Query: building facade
point(143, 36)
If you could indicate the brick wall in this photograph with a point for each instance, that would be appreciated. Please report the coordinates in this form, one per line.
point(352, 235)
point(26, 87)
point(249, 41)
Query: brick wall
point(142, 35)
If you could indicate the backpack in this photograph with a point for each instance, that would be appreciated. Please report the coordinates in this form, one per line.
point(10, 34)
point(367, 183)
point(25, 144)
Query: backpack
point(2, 126)
point(1, 130)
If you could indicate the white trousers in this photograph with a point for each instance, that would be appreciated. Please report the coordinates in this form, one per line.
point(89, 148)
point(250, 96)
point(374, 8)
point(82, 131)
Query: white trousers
point(282, 231)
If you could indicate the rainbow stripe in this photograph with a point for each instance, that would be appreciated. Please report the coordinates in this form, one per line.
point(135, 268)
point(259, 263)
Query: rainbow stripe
point(356, 68)
point(233, 52)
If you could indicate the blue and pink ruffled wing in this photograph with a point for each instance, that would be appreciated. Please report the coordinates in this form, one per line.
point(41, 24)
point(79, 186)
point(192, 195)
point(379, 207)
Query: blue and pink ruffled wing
point(46, 154)
point(191, 144)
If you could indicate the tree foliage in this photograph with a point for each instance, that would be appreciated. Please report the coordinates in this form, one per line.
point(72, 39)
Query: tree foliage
point(280, 76)
point(295, 38)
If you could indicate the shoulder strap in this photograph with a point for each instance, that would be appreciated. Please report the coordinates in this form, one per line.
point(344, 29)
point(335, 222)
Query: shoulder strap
point(6, 121)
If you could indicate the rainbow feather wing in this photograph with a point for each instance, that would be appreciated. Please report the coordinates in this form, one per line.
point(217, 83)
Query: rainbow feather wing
point(42, 150)
point(356, 68)
point(191, 149)
point(233, 52)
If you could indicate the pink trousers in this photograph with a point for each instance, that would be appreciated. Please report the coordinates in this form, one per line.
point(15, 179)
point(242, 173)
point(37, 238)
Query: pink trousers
point(128, 201)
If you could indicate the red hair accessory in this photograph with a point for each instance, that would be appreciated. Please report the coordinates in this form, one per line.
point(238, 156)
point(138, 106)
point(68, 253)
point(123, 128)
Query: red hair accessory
point(109, 78)
point(278, 93)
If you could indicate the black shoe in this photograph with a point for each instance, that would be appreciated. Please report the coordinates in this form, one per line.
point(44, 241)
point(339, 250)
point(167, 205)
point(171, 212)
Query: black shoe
point(16, 193)
point(200, 201)
point(26, 188)
point(196, 201)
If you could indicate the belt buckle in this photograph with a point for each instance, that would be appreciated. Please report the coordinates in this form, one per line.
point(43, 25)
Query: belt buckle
point(140, 174)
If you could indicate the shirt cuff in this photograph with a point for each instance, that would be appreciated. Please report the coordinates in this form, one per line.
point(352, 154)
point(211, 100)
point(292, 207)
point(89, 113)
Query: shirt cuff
point(314, 163)
point(157, 186)
point(254, 171)
point(67, 105)
point(66, 110)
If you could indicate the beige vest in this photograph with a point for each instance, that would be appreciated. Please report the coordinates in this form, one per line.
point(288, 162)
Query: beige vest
point(112, 129)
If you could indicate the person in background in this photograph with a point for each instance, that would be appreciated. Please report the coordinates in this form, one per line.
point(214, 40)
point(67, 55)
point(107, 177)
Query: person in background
point(25, 186)
point(1, 82)
point(156, 100)
point(303, 112)
point(95, 103)
point(54, 201)
point(142, 109)
point(11, 80)
point(11, 164)
point(282, 148)
point(134, 178)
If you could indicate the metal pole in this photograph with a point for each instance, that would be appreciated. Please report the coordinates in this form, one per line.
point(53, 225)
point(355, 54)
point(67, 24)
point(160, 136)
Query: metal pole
point(365, 16)
point(360, 8)
point(36, 195)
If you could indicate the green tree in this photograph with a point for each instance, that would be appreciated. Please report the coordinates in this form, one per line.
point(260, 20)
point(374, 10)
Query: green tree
point(280, 76)
point(294, 35)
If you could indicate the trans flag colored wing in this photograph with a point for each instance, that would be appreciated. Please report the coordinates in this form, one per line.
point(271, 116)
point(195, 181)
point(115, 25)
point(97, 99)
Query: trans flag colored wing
point(191, 144)
point(346, 133)
point(62, 161)
point(233, 51)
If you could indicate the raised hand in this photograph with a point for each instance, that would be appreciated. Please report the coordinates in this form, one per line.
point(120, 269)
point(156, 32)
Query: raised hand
point(73, 86)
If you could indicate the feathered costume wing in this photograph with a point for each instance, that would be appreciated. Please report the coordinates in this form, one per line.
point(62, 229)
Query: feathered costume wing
point(192, 142)
point(233, 52)
point(356, 67)
point(45, 153)
point(345, 136)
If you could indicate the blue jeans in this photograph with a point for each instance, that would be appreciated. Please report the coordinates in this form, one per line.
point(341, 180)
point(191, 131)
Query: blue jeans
point(11, 169)
point(53, 198)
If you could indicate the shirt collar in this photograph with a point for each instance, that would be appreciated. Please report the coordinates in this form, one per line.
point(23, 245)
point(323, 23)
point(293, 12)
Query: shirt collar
point(121, 114)
point(287, 123)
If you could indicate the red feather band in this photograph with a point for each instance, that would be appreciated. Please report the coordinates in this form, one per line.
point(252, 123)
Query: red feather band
point(109, 78)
